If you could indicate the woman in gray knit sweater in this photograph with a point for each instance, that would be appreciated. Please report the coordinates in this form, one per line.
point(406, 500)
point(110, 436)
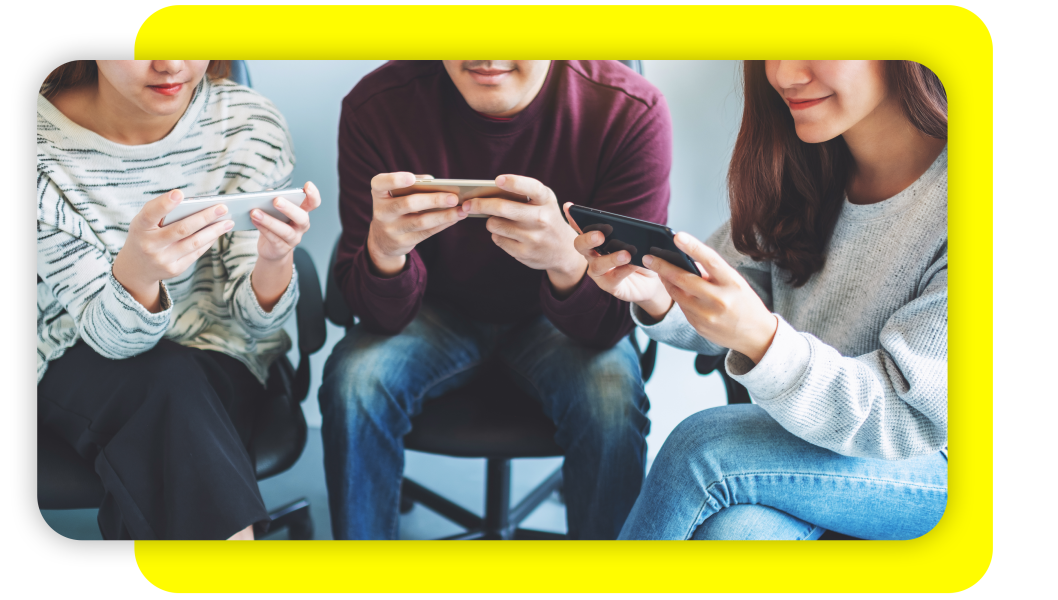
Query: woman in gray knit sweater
point(154, 342)
point(827, 290)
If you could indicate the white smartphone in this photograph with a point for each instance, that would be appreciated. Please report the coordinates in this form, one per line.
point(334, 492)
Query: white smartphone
point(239, 207)
point(464, 189)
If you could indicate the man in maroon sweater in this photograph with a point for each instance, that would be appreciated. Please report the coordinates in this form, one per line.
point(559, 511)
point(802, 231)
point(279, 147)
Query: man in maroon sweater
point(437, 294)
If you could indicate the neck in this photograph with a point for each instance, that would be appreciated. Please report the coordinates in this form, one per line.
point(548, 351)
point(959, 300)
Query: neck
point(526, 100)
point(101, 109)
point(889, 154)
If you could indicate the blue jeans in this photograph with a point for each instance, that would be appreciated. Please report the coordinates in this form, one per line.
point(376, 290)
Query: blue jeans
point(373, 385)
point(734, 473)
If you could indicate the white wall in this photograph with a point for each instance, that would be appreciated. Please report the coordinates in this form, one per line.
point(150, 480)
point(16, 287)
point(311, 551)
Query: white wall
point(705, 104)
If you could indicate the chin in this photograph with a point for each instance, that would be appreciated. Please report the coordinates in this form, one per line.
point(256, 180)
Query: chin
point(810, 134)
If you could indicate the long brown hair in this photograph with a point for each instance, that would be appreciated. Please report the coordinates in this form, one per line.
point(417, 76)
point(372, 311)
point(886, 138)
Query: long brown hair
point(786, 194)
point(79, 72)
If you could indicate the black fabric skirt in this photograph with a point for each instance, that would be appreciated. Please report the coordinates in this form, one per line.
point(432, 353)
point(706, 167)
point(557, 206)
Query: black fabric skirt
point(168, 431)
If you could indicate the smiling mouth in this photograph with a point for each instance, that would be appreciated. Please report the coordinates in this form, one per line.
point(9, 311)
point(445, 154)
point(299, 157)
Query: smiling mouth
point(167, 89)
point(489, 76)
point(803, 104)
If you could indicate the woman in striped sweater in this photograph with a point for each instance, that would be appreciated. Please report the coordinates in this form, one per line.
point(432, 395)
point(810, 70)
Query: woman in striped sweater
point(152, 341)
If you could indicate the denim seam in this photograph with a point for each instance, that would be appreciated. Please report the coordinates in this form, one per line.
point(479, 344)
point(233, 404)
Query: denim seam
point(834, 476)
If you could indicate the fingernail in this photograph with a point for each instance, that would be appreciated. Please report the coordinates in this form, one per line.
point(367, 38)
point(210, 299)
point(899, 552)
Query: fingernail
point(623, 257)
point(451, 200)
point(175, 195)
point(648, 260)
point(228, 225)
point(683, 238)
point(598, 238)
point(502, 179)
point(281, 202)
point(220, 210)
point(256, 215)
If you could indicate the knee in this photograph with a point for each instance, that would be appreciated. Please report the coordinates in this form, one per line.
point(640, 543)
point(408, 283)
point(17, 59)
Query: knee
point(359, 379)
point(714, 441)
point(610, 396)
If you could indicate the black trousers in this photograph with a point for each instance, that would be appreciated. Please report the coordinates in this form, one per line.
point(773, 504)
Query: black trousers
point(168, 432)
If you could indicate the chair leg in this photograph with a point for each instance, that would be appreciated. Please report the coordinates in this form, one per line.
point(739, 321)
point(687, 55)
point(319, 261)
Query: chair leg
point(498, 499)
point(295, 517)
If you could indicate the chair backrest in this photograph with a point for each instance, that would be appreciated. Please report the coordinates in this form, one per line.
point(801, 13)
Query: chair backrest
point(240, 73)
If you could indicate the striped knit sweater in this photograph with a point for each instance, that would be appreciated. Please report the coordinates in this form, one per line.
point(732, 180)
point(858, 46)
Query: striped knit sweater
point(859, 363)
point(230, 139)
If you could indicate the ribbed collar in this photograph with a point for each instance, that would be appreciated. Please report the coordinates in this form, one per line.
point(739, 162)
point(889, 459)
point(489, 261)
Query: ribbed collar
point(86, 138)
point(899, 202)
point(455, 104)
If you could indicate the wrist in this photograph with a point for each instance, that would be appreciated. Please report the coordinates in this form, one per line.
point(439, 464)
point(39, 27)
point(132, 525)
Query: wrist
point(756, 345)
point(380, 263)
point(147, 293)
point(656, 307)
point(564, 279)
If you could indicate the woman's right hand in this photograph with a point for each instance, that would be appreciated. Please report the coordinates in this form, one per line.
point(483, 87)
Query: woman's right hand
point(614, 275)
point(153, 253)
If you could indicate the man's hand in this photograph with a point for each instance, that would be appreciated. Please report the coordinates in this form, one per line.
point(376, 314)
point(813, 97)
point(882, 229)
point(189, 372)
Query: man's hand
point(399, 224)
point(534, 233)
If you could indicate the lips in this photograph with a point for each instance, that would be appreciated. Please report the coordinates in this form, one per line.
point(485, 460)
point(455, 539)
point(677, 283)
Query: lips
point(488, 76)
point(801, 104)
point(167, 89)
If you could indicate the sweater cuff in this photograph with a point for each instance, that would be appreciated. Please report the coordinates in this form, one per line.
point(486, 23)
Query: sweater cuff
point(256, 318)
point(402, 285)
point(120, 303)
point(585, 298)
point(781, 368)
point(675, 330)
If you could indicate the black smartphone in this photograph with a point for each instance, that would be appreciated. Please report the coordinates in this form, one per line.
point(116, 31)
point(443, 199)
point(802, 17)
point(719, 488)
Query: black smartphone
point(638, 237)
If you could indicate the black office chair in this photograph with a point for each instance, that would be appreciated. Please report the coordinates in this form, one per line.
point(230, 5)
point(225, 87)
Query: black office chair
point(489, 418)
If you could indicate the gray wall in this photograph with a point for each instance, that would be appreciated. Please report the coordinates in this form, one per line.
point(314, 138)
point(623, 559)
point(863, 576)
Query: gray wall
point(705, 105)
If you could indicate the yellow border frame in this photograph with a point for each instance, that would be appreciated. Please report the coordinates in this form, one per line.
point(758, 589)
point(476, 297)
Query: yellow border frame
point(952, 41)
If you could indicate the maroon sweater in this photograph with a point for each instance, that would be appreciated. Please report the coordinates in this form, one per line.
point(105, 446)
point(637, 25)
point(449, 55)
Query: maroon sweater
point(597, 134)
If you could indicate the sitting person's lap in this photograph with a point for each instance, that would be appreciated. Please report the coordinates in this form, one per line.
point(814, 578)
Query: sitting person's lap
point(160, 427)
point(737, 456)
point(378, 382)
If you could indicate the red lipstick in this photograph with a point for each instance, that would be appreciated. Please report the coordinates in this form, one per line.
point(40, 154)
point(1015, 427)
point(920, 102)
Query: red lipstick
point(167, 89)
point(806, 103)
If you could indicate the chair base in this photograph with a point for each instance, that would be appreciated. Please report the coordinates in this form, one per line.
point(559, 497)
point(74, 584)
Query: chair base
point(293, 517)
point(500, 521)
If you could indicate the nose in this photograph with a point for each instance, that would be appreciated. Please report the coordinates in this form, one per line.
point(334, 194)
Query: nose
point(171, 67)
point(791, 73)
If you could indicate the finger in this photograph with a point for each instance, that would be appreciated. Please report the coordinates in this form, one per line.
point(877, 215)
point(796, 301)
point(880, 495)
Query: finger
point(429, 220)
point(187, 226)
point(569, 217)
point(202, 239)
point(272, 238)
point(537, 192)
point(312, 199)
point(504, 227)
point(298, 216)
point(673, 274)
point(414, 203)
point(623, 272)
point(715, 266)
point(383, 183)
point(506, 244)
point(431, 232)
point(285, 232)
point(498, 207)
point(154, 210)
point(587, 242)
point(597, 267)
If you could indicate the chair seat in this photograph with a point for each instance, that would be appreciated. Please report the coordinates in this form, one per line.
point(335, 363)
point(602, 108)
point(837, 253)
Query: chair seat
point(490, 417)
point(65, 480)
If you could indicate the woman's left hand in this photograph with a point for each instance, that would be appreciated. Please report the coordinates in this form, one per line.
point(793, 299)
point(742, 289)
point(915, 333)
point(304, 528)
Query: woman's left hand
point(275, 246)
point(720, 305)
point(278, 239)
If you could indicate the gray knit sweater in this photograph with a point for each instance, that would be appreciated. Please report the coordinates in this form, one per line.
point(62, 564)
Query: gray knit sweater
point(859, 363)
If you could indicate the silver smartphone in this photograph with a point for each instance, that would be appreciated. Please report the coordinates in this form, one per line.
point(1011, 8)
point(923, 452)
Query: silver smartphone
point(239, 206)
point(464, 189)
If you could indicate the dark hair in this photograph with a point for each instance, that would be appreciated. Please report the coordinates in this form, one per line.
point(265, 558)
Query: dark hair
point(786, 194)
point(78, 72)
